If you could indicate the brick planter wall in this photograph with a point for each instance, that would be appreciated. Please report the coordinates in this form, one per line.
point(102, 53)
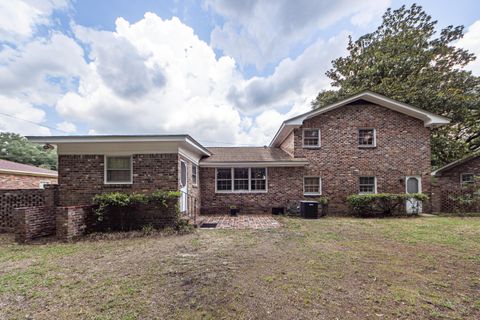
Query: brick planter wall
point(11, 199)
point(34, 222)
point(72, 222)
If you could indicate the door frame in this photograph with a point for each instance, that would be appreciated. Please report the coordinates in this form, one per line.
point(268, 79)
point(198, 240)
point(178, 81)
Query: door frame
point(184, 189)
point(419, 179)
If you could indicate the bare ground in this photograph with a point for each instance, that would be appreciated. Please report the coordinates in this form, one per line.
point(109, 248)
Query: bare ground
point(423, 268)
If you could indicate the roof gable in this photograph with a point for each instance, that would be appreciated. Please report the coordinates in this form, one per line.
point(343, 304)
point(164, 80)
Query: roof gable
point(456, 163)
point(429, 119)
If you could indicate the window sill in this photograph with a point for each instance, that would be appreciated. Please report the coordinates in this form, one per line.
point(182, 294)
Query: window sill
point(367, 147)
point(240, 192)
point(311, 147)
point(312, 194)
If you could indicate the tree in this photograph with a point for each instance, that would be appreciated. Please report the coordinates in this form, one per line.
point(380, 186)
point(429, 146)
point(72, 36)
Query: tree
point(406, 60)
point(14, 147)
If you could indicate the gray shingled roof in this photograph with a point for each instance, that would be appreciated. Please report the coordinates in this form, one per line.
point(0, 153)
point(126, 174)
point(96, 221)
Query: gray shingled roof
point(248, 154)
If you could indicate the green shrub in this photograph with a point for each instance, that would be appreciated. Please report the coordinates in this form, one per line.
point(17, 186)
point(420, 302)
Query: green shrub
point(382, 204)
point(113, 210)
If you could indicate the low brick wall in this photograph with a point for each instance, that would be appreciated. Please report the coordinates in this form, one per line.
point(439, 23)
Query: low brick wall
point(11, 199)
point(72, 222)
point(34, 222)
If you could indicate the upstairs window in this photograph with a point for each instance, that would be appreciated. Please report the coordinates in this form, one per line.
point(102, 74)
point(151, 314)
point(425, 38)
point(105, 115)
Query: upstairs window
point(118, 170)
point(312, 186)
point(367, 185)
point(311, 138)
point(367, 138)
point(194, 174)
point(467, 178)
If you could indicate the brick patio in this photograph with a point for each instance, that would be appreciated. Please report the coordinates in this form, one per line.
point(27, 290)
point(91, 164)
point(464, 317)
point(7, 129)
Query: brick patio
point(247, 221)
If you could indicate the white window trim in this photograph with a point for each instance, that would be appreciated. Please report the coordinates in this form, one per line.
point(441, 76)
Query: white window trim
point(374, 181)
point(311, 146)
point(186, 174)
point(105, 169)
point(464, 174)
point(232, 178)
point(195, 181)
point(319, 187)
point(367, 145)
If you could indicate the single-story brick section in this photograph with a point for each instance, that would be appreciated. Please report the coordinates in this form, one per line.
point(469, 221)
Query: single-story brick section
point(367, 143)
point(15, 175)
point(453, 180)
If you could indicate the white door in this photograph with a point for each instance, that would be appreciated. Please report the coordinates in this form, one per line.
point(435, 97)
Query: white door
point(413, 185)
point(183, 186)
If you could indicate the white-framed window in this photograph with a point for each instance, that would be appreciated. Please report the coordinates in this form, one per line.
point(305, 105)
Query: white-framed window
point(194, 174)
point(467, 178)
point(258, 179)
point(240, 180)
point(118, 170)
point(311, 138)
point(367, 185)
point(223, 178)
point(42, 184)
point(312, 186)
point(367, 137)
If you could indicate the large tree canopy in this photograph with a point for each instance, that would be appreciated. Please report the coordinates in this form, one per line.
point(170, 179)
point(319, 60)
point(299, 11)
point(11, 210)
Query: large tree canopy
point(14, 147)
point(407, 60)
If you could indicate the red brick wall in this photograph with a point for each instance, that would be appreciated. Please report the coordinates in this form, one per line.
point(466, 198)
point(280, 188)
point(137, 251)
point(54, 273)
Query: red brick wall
point(82, 176)
point(71, 222)
point(284, 184)
point(11, 199)
point(403, 149)
point(14, 181)
point(288, 145)
point(34, 222)
point(448, 185)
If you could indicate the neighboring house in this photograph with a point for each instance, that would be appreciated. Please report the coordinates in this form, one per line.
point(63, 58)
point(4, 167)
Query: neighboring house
point(15, 175)
point(453, 180)
point(367, 143)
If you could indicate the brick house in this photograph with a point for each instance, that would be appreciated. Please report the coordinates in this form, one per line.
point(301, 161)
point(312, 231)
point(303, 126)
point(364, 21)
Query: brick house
point(454, 179)
point(15, 175)
point(367, 143)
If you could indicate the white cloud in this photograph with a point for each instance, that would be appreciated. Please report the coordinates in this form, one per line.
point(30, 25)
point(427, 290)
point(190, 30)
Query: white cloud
point(42, 69)
point(18, 19)
point(259, 32)
point(67, 127)
point(471, 42)
point(198, 93)
point(21, 111)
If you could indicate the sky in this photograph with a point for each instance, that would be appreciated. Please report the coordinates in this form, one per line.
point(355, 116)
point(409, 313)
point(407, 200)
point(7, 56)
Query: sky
point(226, 72)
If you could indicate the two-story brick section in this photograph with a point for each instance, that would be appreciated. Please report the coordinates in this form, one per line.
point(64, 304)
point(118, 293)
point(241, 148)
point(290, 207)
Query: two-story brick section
point(367, 143)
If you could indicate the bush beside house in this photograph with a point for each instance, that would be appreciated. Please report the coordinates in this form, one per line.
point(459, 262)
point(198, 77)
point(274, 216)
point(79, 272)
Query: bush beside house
point(382, 204)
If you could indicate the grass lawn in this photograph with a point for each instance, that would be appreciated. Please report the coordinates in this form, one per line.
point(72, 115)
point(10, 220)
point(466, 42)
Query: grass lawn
point(325, 269)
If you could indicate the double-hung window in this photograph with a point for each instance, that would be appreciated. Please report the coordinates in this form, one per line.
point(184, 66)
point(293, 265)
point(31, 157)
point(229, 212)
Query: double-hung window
point(194, 174)
point(367, 138)
point(467, 178)
point(367, 185)
point(312, 186)
point(241, 179)
point(224, 179)
point(311, 138)
point(118, 169)
point(258, 179)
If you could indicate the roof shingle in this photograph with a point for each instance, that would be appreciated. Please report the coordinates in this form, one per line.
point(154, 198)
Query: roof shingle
point(249, 154)
point(14, 166)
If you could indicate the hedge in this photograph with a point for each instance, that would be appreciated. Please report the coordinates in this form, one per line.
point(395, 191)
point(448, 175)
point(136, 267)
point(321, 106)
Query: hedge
point(381, 204)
